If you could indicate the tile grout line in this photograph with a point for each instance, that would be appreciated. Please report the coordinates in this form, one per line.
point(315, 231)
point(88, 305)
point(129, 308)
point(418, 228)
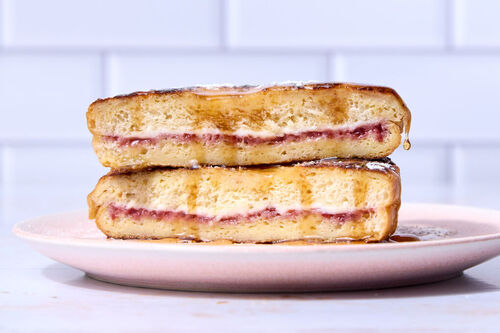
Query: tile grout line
point(449, 33)
point(328, 65)
point(3, 185)
point(2, 28)
point(3, 25)
point(456, 10)
point(338, 68)
point(3, 224)
point(450, 170)
point(103, 77)
point(52, 143)
point(456, 171)
point(223, 24)
point(283, 51)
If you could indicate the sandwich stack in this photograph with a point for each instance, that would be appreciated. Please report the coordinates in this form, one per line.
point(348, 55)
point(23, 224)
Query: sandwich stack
point(249, 164)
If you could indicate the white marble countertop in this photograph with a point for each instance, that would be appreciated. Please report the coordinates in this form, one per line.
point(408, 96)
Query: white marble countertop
point(40, 295)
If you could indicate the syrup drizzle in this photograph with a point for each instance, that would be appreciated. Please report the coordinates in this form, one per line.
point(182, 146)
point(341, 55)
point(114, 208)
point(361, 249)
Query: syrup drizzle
point(360, 190)
point(402, 238)
point(307, 226)
point(194, 179)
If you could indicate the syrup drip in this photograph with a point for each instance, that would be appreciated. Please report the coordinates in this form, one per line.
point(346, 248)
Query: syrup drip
point(407, 125)
point(406, 144)
point(198, 146)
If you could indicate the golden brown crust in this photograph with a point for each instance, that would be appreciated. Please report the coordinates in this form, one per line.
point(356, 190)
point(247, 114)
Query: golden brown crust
point(247, 89)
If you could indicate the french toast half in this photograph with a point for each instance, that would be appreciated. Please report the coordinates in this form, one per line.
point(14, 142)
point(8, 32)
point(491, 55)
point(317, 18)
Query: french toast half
point(247, 125)
point(325, 201)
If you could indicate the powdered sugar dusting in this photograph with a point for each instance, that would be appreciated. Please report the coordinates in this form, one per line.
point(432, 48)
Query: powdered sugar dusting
point(218, 86)
point(378, 165)
point(424, 233)
point(383, 165)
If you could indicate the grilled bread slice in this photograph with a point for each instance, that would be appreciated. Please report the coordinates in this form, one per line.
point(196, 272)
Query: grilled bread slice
point(247, 125)
point(325, 201)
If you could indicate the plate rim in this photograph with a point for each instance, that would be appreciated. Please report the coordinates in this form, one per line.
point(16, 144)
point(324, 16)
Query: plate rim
point(235, 248)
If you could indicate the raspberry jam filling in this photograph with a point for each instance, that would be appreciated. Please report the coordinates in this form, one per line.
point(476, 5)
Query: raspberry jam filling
point(266, 213)
point(377, 130)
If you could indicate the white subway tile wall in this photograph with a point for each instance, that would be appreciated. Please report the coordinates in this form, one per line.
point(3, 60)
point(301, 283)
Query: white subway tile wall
point(444, 91)
point(337, 23)
point(2, 21)
point(477, 23)
point(56, 57)
point(477, 174)
point(143, 71)
point(425, 173)
point(47, 178)
point(45, 96)
point(111, 23)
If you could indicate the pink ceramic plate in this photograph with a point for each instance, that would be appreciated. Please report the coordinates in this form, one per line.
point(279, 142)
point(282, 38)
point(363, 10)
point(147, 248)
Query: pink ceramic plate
point(455, 238)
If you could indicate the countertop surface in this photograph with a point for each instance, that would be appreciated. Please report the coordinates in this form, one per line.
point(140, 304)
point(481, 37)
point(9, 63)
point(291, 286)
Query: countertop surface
point(40, 295)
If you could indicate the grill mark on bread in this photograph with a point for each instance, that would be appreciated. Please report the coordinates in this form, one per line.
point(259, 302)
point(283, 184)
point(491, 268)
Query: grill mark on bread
point(306, 199)
point(305, 189)
point(193, 190)
point(337, 109)
point(360, 190)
